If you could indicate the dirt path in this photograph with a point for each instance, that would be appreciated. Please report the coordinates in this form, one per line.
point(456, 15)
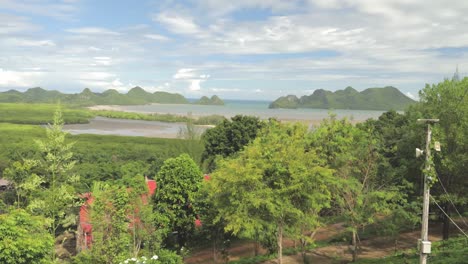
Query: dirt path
point(375, 247)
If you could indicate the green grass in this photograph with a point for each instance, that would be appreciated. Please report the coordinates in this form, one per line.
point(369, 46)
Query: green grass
point(452, 251)
point(21, 113)
point(204, 120)
point(98, 157)
point(27, 113)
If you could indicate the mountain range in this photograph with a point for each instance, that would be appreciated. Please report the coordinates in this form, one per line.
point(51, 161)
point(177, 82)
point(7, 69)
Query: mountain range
point(386, 98)
point(135, 96)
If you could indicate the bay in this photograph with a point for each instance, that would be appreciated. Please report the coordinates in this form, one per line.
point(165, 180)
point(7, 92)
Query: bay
point(123, 127)
point(253, 108)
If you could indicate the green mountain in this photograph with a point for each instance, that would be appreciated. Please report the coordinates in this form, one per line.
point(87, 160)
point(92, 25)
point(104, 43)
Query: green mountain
point(214, 100)
point(135, 96)
point(387, 98)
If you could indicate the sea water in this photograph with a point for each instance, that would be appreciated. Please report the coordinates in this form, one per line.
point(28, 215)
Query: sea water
point(252, 108)
point(107, 126)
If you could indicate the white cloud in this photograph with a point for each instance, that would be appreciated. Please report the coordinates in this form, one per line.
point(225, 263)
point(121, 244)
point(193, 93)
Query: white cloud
point(410, 95)
point(93, 31)
point(226, 89)
point(10, 79)
point(10, 24)
point(195, 85)
point(156, 37)
point(31, 42)
point(177, 23)
point(61, 11)
point(92, 48)
point(185, 73)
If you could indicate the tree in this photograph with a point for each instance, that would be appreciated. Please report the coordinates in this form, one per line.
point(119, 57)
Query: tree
point(228, 138)
point(45, 186)
point(24, 238)
point(57, 198)
point(25, 182)
point(361, 193)
point(275, 185)
point(448, 101)
point(178, 181)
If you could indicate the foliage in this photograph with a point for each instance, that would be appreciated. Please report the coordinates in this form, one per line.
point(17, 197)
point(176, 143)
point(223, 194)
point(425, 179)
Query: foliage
point(25, 182)
point(452, 251)
point(21, 113)
point(57, 199)
point(228, 138)
point(24, 238)
point(178, 181)
point(361, 193)
point(135, 96)
point(214, 100)
point(274, 185)
point(109, 218)
point(386, 98)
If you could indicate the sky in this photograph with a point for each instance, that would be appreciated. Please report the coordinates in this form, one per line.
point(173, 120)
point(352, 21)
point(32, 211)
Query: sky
point(242, 49)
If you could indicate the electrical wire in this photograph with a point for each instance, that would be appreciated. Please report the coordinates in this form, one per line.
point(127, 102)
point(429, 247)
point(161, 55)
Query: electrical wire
point(448, 216)
point(448, 197)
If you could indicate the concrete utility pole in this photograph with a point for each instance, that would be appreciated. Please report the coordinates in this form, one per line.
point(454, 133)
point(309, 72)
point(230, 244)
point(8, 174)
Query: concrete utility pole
point(425, 245)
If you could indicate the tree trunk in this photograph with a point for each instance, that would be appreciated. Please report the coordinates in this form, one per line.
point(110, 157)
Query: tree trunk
point(446, 223)
point(354, 246)
point(303, 251)
point(280, 243)
point(215, 248)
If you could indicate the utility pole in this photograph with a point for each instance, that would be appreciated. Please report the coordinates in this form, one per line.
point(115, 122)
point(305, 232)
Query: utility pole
point(425, 244)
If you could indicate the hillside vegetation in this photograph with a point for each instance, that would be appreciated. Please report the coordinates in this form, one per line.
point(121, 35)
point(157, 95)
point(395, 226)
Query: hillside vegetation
point(214, 100)
point(387, 98)
point(136, 96)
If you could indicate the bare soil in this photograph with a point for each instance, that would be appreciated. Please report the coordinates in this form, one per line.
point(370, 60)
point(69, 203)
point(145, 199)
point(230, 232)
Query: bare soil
point(375, 247)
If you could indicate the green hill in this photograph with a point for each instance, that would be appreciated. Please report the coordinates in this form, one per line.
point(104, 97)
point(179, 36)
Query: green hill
point(214, 100)
point(387, 98)
point(135, 96)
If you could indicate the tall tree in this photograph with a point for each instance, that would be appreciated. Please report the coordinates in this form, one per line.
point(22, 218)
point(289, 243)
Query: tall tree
point(361, 193)
point(228, 138)
point(274, 184)
point(57, 199)
point(448, 101)
point(178, 181)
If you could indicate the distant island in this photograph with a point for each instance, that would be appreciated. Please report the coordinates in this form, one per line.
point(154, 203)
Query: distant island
point(387, 98)
point(214, 100)
point(135, 96)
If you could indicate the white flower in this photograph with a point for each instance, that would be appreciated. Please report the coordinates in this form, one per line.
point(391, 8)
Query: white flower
point(126, 261)
point(154, 257)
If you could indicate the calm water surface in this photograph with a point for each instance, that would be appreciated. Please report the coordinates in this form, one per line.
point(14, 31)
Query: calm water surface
point(255, 108)
point(107, 126)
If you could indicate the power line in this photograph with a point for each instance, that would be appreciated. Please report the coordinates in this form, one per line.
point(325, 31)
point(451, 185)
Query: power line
point(448, 197)
point(448, 216)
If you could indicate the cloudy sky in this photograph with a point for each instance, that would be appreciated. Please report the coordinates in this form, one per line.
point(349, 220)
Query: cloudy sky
point(242, 49)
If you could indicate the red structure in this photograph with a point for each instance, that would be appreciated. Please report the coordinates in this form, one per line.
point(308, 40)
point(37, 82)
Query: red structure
point(85, 228)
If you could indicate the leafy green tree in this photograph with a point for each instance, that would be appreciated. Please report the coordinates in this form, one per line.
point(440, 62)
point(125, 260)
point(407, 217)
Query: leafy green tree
point(448, 101)
point(25, 182)
point(178, 181)
point(24, 238)
point(361, 194)
point(109, 217)
point(275, 184)
point(229, 137)
point(57, 199)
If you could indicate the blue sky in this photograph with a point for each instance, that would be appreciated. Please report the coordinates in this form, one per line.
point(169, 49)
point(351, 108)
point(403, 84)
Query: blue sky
point(243, 49)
